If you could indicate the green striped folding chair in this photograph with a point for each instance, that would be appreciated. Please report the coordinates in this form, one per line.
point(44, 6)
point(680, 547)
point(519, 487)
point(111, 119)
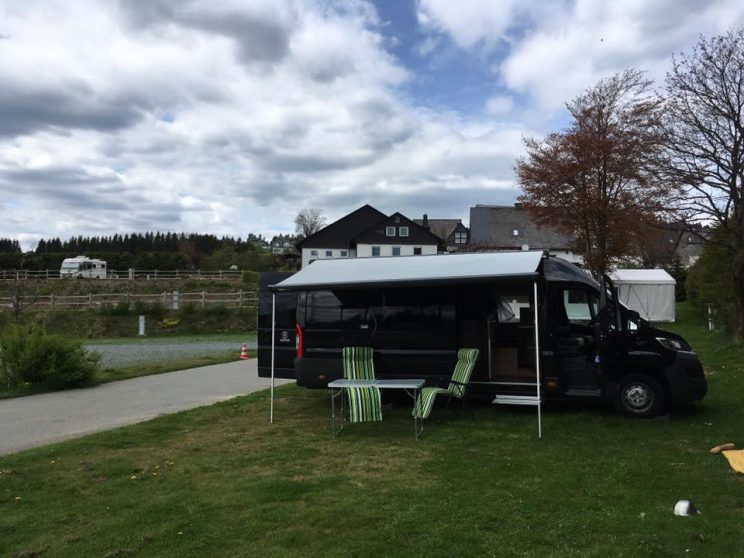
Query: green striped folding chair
point(358, 363)
point(457, 387)
point(365, 404)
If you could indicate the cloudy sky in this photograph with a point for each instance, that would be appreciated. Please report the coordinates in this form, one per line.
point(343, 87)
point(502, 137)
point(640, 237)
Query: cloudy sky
point(228, 116)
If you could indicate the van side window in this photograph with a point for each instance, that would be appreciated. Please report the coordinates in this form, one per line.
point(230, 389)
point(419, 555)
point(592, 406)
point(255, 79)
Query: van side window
point(323, 310)
point(580, 306)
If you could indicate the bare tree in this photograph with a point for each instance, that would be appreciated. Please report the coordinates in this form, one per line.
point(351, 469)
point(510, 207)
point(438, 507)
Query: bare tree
point(24, 292)
point(309, 221)
point(705, 119)
point(598, 179)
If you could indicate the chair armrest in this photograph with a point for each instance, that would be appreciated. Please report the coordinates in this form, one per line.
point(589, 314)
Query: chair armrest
point(458, 383)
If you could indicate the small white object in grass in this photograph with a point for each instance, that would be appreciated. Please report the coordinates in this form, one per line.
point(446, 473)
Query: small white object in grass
point(685, 508)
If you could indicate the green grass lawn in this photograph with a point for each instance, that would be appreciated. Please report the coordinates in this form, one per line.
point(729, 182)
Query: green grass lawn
point(221, 481)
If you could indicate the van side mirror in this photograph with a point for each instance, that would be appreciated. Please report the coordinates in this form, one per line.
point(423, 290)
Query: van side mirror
point(633, 320)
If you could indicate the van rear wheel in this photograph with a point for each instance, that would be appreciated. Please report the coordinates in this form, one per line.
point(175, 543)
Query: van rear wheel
point(640, 396)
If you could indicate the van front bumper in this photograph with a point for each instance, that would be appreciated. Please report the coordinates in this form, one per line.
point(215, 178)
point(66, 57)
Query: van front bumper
point(685, 378)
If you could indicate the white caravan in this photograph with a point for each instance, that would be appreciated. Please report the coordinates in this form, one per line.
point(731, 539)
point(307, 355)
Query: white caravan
point(83, 267)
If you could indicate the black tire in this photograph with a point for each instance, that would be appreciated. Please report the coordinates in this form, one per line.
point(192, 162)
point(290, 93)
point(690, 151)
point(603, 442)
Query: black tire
point(640, 396)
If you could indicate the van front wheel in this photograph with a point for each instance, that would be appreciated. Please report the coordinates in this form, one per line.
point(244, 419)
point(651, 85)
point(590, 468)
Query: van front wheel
point(640, 396)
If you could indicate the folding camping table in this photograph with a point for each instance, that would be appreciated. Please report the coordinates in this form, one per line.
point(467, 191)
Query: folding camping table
point(411, 387)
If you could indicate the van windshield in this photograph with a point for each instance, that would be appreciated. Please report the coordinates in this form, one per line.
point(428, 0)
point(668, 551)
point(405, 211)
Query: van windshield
point(71, 266)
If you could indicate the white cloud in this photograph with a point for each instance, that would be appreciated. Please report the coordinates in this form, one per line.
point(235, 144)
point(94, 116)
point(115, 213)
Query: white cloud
point(499, 105)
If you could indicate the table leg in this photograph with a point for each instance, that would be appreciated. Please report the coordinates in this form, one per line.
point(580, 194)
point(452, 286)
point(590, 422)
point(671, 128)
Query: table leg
point(418, 424)
point(334, 394)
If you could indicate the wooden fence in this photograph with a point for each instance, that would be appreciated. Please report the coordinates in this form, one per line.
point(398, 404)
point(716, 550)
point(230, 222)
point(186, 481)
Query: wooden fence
point(126, 274)
point(172, 300)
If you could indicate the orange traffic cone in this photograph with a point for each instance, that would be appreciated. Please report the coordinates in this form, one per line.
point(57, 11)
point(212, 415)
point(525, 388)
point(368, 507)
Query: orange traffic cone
point(244, 352)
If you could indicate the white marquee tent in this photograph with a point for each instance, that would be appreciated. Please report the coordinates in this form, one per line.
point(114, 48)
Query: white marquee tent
point(650, 292)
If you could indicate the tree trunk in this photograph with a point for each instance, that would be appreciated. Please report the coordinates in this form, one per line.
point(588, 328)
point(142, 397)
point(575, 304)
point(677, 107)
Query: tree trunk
point(738, 284)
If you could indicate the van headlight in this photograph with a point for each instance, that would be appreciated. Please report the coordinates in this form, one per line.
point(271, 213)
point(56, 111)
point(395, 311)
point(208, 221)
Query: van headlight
point(671, 344)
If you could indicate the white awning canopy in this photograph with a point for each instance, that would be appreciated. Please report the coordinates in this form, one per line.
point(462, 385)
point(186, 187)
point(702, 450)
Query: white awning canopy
point(404, 271)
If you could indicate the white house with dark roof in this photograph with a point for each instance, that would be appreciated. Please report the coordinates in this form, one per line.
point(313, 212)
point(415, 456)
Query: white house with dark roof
point(367, 232)
point(509, 227)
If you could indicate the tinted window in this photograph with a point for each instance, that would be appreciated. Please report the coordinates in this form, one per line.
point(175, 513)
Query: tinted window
point(418, 308)
point(332, 310)
point(580, 306)
point(286, 309)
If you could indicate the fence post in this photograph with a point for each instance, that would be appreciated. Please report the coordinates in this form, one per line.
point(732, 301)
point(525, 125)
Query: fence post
point(51, 301)
point(156, 274)
point(176, 298)
point(90, 300)
point(240, 298)
point(204, 296)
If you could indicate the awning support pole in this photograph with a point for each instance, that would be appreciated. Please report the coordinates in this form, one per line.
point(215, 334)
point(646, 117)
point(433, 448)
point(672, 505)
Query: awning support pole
point(273, 333)
point(536, 311)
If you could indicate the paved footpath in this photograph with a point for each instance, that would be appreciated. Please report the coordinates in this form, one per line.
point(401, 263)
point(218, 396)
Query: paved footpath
point(36, 420)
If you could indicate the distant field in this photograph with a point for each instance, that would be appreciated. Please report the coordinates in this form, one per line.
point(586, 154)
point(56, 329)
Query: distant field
point(221, 481)
point(85, 286)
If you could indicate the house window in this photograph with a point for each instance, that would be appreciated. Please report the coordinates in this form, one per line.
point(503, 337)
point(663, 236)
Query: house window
point(403, 231)
point(461, 238)
point(417, 251)
point(329, 253)
point(396, 250)
point(313, 252)
point(375, 250)
point(515, 232)
point(389, 231)
point(344, 253)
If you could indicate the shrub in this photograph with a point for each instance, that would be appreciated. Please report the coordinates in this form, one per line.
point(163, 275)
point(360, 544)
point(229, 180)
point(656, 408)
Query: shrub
point(34, 356)
point(122, 308)
point(251, 277)
point(216, 311)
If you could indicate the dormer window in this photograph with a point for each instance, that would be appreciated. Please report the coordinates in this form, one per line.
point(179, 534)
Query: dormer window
point(389, 231)
point(403, 231)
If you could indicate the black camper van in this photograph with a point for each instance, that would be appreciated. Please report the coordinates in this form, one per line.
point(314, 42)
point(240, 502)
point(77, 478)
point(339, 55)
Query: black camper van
point(542, 326)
